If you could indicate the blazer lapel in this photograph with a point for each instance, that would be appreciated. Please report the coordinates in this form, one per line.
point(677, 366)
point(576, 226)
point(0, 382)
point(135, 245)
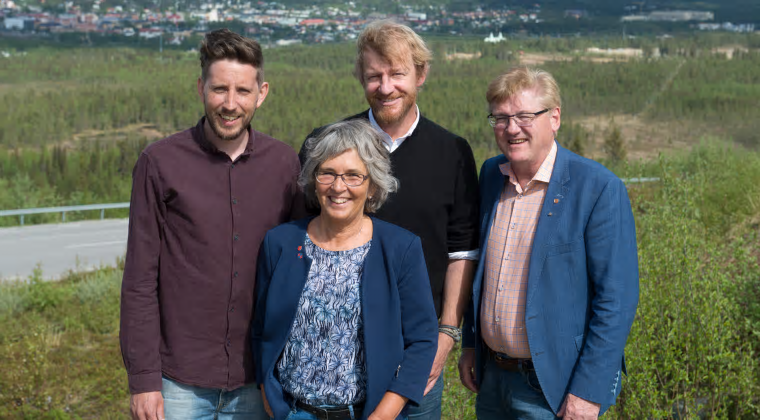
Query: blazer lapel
point(549, 219)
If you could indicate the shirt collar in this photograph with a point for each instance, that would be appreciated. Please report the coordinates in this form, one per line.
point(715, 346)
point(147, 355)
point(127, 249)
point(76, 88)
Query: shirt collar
point(386, 137)
point(544, 173)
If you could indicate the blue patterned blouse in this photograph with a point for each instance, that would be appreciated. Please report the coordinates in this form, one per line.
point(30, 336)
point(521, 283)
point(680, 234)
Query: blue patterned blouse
point(323, 359)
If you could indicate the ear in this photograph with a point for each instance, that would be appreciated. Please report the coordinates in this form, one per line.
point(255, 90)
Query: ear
point(422, 76)
point(263, 91)
point(201, 84)
point(555, 119)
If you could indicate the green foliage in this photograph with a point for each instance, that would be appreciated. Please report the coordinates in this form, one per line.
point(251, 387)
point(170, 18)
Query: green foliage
point(614, 145)
point(690, 353)
point(575, 138)
point(96, 172)
point(59, 348)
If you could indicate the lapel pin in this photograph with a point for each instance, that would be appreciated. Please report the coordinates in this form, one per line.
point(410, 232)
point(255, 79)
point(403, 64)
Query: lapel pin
point(299, 246)
point(550, 214)
point(300, 255)
point(556, 200)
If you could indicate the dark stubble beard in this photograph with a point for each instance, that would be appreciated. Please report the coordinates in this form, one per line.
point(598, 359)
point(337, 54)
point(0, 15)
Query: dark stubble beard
point(219, 131)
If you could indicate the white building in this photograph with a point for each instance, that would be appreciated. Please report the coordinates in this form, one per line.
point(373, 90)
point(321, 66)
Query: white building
point(494, 39)
point(18, 23)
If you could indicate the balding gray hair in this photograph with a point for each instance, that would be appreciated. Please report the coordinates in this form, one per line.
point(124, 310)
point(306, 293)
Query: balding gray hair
point(341, 137)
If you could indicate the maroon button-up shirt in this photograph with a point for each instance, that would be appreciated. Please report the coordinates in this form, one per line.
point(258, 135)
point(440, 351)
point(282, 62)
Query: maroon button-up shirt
point(196, 222)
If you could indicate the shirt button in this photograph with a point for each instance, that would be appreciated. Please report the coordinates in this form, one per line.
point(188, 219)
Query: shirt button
point(234, 201)
point(232, 309)
point(232, 166)
point(235, 237)
point(229, 343)
point(497, 319)
point(235, 274)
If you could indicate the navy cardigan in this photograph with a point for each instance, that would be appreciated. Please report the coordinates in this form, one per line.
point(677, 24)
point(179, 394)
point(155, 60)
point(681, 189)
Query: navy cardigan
point(400, 325)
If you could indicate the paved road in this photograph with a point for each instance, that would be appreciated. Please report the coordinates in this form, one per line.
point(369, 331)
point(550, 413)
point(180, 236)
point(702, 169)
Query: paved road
point(62, 247)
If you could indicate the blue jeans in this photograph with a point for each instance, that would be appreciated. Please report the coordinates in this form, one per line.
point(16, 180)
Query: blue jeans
point(511, 395)
point(430, 408)
point(186, 402)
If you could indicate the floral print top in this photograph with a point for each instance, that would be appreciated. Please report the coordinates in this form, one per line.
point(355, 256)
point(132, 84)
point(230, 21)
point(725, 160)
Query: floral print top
point(323, 359)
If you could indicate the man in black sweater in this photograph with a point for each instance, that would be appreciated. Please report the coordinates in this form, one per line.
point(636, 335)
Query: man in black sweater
point(438, 195)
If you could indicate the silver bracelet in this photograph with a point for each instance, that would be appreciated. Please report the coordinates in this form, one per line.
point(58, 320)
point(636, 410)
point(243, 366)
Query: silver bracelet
point(453, 332)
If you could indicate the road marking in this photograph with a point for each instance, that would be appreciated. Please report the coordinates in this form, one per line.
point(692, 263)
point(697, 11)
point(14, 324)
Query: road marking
point(95, 244)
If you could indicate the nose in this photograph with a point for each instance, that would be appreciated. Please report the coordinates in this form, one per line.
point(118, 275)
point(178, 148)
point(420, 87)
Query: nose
point(386, 87)
point(339, 185)
point(512, 127)
point(229, 100)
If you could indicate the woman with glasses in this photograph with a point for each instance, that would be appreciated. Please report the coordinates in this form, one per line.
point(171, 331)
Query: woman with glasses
point(344, 324)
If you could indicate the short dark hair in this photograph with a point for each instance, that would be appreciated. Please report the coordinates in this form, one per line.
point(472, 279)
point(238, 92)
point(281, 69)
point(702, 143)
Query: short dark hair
point(223, 44)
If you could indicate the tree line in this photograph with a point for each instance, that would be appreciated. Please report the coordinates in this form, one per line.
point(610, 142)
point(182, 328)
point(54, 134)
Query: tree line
point(51, 96)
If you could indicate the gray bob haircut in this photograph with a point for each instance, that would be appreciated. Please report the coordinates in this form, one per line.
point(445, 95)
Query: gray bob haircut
point(343, 136)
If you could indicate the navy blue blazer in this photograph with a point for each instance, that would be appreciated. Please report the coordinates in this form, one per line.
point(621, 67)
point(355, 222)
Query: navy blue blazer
point(583, 279)
point(400, 325)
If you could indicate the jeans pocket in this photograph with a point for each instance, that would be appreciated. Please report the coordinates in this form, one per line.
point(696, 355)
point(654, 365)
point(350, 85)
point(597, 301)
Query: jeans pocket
point(532, 380)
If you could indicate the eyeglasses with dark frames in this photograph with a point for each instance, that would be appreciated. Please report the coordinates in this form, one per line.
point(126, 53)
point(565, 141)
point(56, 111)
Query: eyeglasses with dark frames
point(351, 180)
point(523, 119)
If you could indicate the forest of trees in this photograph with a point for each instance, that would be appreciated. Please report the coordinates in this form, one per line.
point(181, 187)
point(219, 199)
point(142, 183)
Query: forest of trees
point(61, 107)
point(74, 122)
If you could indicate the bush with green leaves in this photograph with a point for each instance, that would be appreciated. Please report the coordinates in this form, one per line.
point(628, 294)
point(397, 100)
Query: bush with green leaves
point(690, 353)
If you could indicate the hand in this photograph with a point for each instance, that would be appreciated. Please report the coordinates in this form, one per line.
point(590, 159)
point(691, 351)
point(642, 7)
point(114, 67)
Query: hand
point(267, 408)
point(576, 408)
point(389, 408)
point(467, 370)
point(445, 344)
point(147, 406)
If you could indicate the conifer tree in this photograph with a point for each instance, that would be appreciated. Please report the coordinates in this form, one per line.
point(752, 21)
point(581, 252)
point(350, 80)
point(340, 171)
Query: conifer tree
point(614, 144)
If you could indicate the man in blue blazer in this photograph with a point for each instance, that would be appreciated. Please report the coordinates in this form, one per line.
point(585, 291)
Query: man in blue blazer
point(556, 288)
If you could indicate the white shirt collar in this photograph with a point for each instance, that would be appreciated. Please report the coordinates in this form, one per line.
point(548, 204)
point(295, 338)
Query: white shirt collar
point(388, 142)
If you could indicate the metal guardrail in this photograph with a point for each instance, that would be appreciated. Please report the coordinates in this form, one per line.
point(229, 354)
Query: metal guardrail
point(639, 180)
point(103, 207)
point(63, 210)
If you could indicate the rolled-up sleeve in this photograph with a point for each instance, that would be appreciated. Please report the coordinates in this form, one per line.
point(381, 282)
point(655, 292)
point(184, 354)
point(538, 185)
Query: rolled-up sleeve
point(140, 329)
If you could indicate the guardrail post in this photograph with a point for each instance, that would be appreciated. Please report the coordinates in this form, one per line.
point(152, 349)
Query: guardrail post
point(102, 214)
point(63, 217)
point(22, 219)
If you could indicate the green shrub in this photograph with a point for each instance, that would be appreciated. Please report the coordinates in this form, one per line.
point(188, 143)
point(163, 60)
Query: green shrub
point(687, 353)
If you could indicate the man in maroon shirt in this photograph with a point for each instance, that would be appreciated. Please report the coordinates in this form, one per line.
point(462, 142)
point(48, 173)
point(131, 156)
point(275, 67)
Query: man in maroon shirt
point(202, 200)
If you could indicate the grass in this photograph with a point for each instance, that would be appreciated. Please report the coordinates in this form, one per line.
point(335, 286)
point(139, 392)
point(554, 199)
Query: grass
point(692, 351)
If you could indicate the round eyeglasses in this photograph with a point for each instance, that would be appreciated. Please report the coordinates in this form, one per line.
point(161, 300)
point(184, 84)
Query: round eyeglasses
point(523, 119)
point(352, 180)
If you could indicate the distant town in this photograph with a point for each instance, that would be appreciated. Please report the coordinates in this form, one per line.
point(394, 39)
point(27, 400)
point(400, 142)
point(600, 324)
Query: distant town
point(279, 25)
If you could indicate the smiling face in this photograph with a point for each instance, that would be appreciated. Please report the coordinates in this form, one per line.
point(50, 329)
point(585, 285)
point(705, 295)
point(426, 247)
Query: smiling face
point(526, 147)
point(339, 202)
point(391, 89)
point(230, 96)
